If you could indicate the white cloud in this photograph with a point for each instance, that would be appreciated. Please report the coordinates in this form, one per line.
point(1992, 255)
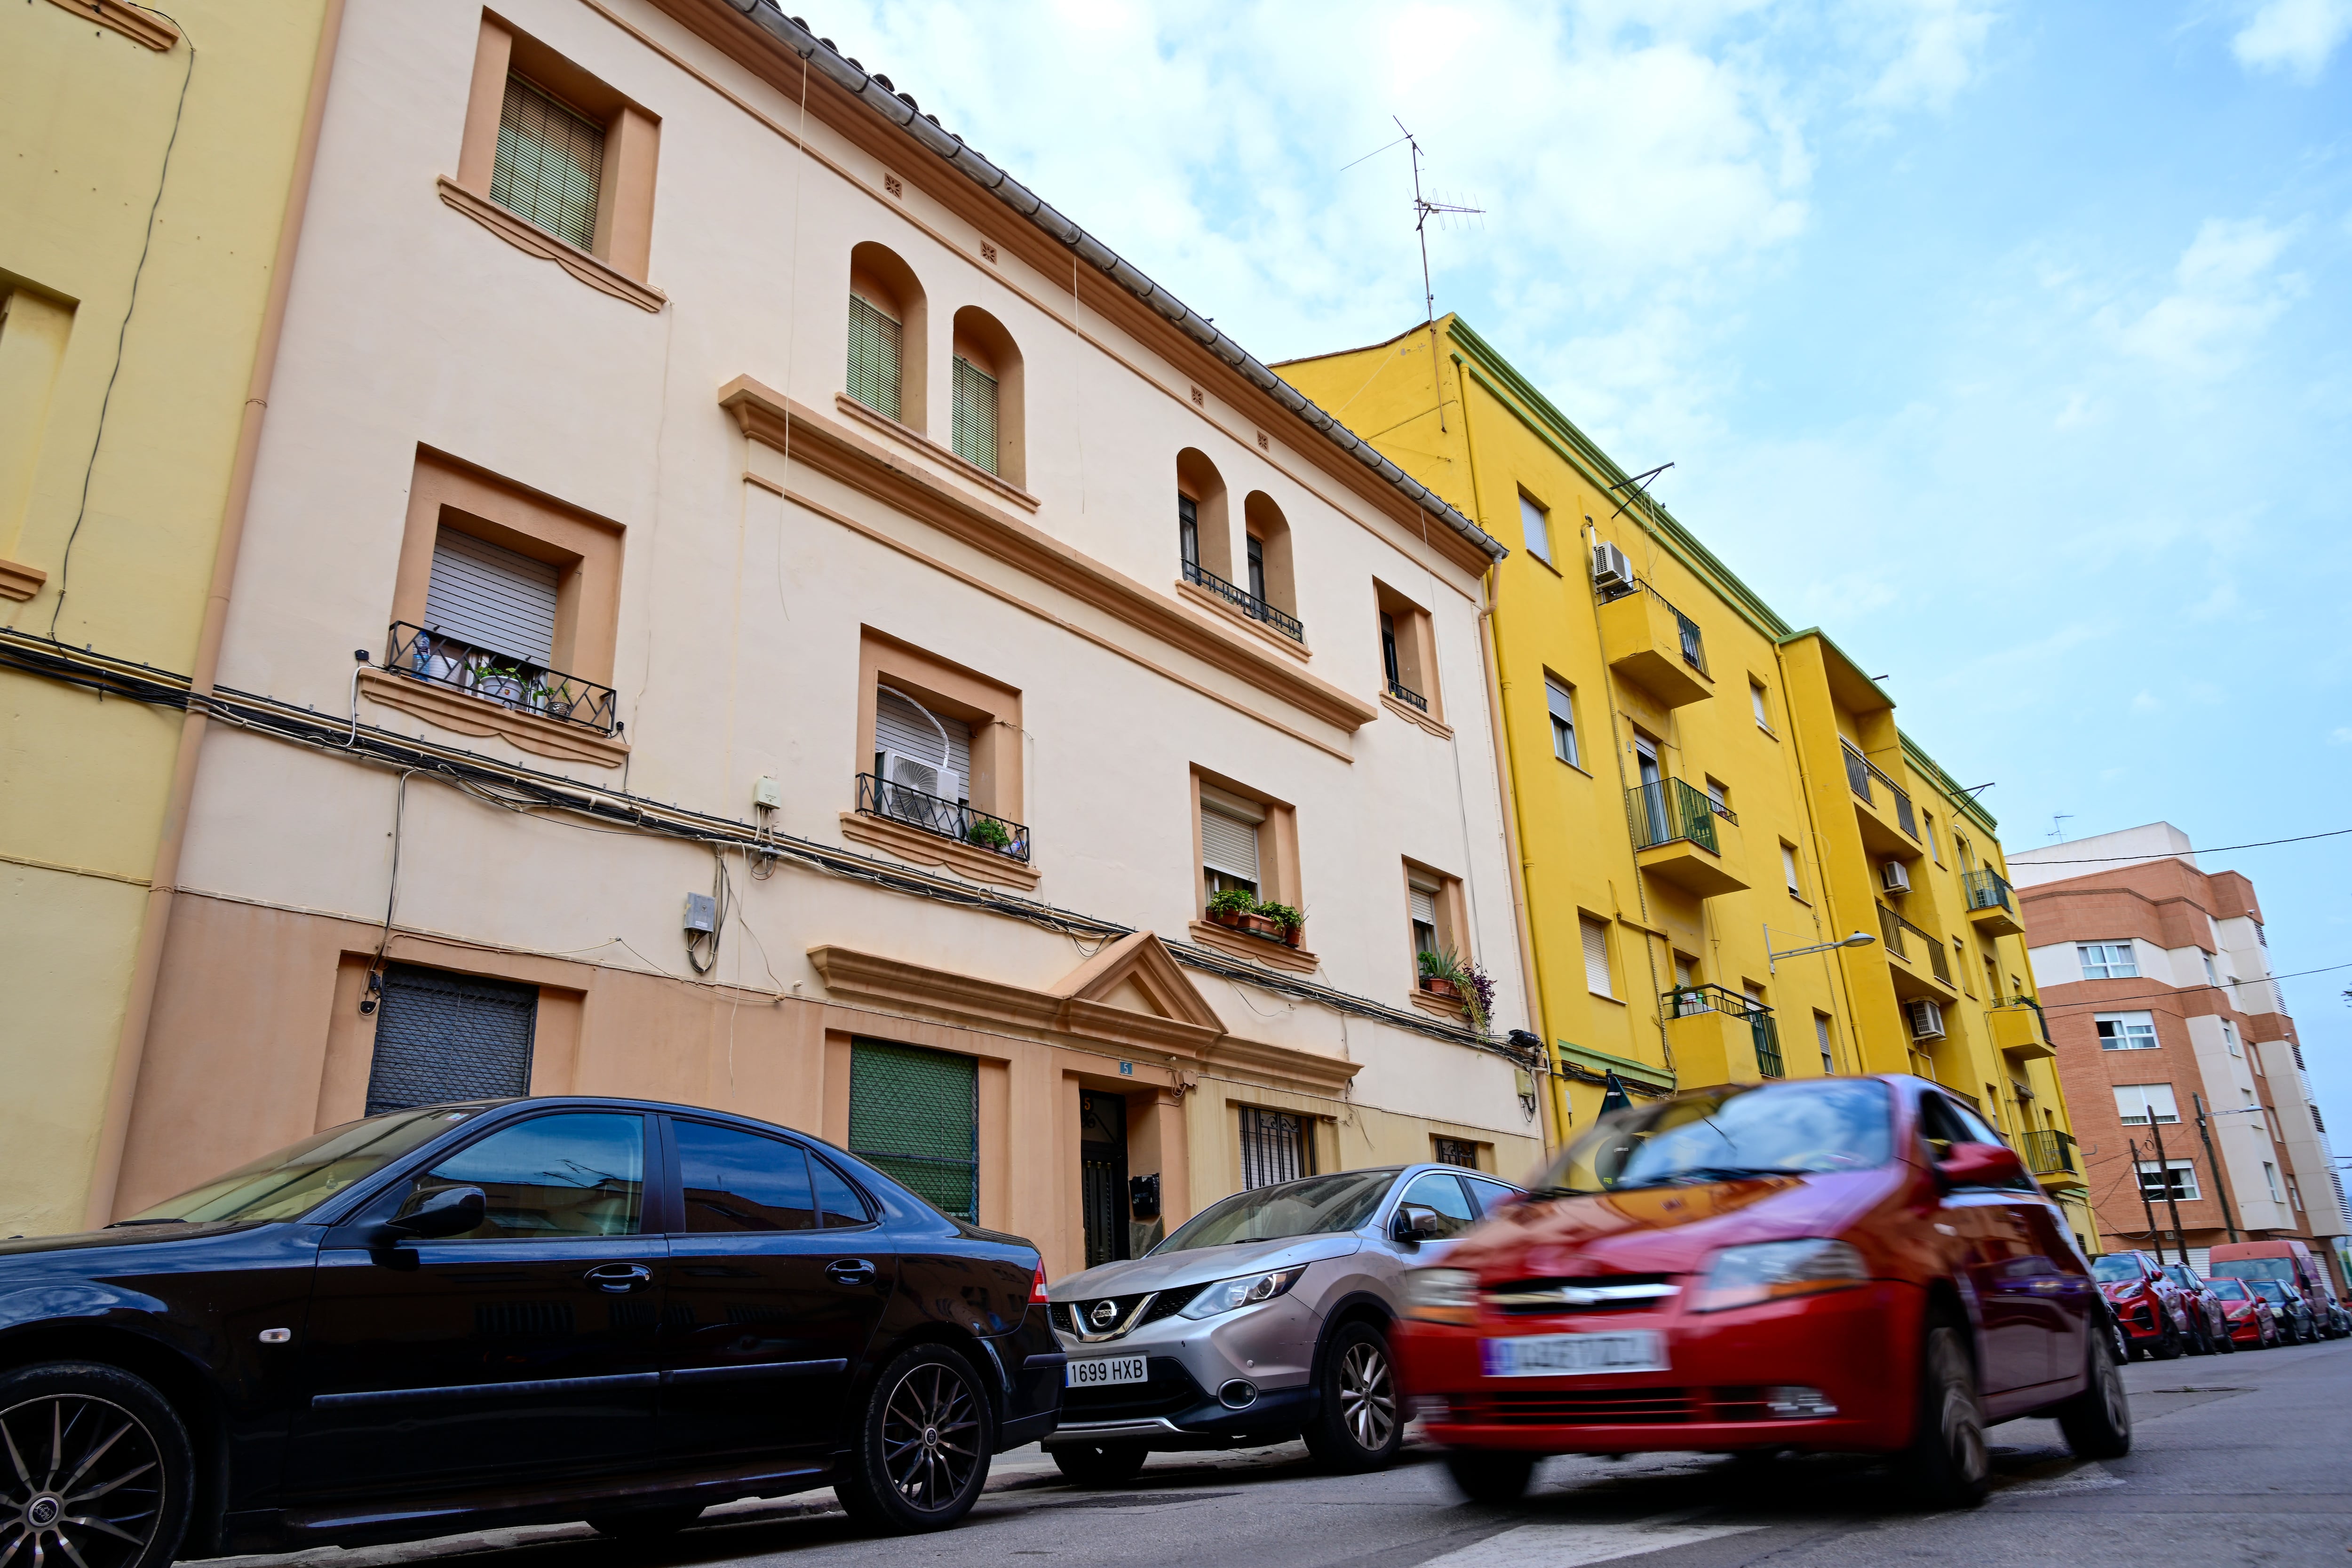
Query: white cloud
point(2146, 703)
point(2225, 294)
point(2295, 36)
point(1940, 54)
point(2340, 736)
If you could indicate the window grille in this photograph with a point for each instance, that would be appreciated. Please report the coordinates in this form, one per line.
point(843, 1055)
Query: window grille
point(972, 424)
point(874, 364)
point(1456, 1152)
point(548, 164)
point(914, 1115)
point(442, 1036)
point(1276, 1147)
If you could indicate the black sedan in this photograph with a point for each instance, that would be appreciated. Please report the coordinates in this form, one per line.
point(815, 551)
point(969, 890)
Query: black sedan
point(505, 1313)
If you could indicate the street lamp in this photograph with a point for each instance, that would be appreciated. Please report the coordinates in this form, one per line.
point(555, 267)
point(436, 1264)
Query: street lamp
point(1771, 959)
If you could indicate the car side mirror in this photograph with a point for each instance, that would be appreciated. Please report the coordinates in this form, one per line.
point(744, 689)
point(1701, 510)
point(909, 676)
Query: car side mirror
point(1981, 1165)
point(452, 1211)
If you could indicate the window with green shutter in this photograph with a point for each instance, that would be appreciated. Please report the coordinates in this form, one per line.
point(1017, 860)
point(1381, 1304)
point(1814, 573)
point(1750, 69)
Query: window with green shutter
point(549, 163)
point(975, 421)
point(874, 373)
point(915, 1116)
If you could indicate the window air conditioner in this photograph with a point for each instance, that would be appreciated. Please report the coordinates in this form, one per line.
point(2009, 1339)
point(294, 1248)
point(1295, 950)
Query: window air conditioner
point(1609, 567)
point(1895, 877)
point(903, 776)
point(1926, 1019)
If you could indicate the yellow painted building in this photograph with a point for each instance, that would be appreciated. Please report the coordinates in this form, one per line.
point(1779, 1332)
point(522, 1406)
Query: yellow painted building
point(1699, 789)
point(149, 200)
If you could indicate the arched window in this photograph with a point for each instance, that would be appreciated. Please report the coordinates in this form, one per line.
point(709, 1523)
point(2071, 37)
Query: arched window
point(1270, 576)
point(1205, 539)
point(984, 417)
point(886, 335)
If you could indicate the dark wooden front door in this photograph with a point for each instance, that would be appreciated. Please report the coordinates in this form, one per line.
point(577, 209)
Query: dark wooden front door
point(1102, 1156)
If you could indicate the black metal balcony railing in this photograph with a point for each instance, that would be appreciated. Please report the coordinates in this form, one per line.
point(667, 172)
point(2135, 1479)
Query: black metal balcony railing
point(1689, 1001)
point(1860, 770)
point(2047, 1152)
point(1408, 696)
point(948, 818)
point(2040, 1019)
point(1890, 931)
point(1693, 645)
point(1987, 889)
point(1669, 809)
point(425, 655)
point(1244, 601)
point(1857, 771)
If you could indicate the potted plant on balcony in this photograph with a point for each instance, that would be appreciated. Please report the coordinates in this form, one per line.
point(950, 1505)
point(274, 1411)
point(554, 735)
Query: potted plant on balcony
point(1438, 973)
point(1230, 906)
point(502, 683)
point(1291, 920)
point(989, 834)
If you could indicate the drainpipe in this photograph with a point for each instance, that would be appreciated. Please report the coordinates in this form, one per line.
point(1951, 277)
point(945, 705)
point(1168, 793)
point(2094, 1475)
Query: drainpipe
point(130, 1050)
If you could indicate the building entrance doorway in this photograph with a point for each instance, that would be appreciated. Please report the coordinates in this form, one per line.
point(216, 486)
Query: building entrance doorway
point(1102, 1159)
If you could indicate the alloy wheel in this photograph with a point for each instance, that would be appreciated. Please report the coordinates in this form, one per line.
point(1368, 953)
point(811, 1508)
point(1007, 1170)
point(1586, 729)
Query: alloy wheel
point(1367, 1397)
point(1961, 1427)
point(930, 1437)
point(83, 1479)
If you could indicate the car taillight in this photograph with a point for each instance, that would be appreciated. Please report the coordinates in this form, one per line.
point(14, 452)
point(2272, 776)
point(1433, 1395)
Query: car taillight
point(1038, 1288)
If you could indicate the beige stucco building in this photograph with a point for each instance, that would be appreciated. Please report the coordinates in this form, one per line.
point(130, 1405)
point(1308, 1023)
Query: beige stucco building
point(772, 505)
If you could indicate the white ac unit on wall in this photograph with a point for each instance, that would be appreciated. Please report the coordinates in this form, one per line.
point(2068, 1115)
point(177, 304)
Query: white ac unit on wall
point(1610, 569)
point(1926, 1019)
point(1895, 877)
point(917, 773)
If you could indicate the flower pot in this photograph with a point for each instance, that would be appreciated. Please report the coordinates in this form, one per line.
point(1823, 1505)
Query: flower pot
point(557, 709)
point(1445, 988)
point(1262, 925)
point(1230, 919)
point(1292, 934)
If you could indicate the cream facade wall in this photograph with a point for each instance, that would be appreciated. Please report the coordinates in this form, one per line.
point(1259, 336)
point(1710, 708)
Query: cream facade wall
point(763, 544)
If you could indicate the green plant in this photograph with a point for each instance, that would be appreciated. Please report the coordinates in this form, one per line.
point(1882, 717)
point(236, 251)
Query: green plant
point(1284, 915)
point(987, 832)
point(1435, 965)
point(1232, 902)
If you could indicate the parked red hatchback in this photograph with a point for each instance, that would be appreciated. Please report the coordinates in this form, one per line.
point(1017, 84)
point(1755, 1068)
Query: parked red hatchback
point(2250, 1317)
point(1845, 1263)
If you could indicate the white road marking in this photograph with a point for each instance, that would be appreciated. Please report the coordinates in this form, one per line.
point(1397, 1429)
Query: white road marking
point(1564, 1545)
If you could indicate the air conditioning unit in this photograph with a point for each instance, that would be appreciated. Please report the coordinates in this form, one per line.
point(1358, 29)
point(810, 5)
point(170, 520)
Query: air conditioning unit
point(1610, 569)
point(1926, 1019)
point(1895, 877)
point(901, 773)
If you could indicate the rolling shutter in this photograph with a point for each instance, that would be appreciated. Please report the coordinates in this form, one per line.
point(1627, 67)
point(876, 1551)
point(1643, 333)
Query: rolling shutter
point(491, 598)
point(899, 726)
point(1229, 845)
point(442, 1036)
point(1596, 956)
point(915, 1115)
point(548, 164)
point(874, 373)
point(1425, 907)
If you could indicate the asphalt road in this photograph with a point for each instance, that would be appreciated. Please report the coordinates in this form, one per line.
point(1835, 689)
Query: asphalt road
point(2237, 1459)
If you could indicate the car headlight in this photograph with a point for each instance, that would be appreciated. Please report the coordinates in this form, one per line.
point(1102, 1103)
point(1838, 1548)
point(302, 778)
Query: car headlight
point(1441, 1295)
point(1774, 1271)
point(1249, 1290)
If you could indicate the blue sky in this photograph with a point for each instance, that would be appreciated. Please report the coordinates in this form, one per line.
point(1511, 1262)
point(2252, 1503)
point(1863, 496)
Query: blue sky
point(2009, 343)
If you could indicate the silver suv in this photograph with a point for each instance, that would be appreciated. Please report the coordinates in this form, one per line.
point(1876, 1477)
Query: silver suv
point(1264, 1318)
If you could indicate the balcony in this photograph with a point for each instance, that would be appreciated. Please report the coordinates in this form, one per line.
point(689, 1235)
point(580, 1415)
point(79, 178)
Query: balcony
point(1720, 1036)
point(945, 819)
point(1889, 823)
point(1992, 903)
point(1680, 837)
point(1248, 602)
point(1408, 696)
point(512, 684)
point(1655, 646)
point(2019, 1030)
point(2049, 1156)
point(1913, 955)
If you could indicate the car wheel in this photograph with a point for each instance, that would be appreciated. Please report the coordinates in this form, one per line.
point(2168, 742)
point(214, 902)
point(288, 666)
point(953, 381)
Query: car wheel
point(2097, 1421)
point(2169, 1343)
point(645, 1523)
point(1490, 1475)
point(1358, 1424)
point(1947, 1464)
point(921, 1447)
point(2229, 1339)
point(1100, 1464)
point(99, 1472)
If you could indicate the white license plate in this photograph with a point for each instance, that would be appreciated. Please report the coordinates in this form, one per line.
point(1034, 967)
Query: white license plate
point(1103, 1370)
point(1564, 1355)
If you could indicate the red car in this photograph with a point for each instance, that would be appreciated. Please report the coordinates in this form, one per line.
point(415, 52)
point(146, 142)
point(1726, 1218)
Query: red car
point(2250, 1317)
point(1844, 1264)
point(2208, 1324)
point(2152, 1308)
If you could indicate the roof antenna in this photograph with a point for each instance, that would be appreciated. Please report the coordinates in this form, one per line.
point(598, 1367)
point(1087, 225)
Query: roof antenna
point(1424, 209)
point(2058, 831)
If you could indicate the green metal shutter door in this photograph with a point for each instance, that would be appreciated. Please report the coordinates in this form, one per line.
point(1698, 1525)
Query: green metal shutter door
point(915, 1115)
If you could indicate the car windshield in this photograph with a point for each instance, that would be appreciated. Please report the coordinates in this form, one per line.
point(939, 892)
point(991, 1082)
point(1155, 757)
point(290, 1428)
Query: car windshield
point(2229, 1290)
point(2180, 1275)
point(1781, 1128)
point(2272, 1290)
point(1319, 1206)
point(301, 1176)
point(2114, 1271)
point(2255, 1268)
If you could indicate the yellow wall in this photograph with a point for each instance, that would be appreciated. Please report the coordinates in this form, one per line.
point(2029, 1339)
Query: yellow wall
point(1456, 416)
point(87, 114)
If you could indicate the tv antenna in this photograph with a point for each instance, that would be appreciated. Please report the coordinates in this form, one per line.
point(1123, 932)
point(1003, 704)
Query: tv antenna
point(2057, 829)
point(1424, 209)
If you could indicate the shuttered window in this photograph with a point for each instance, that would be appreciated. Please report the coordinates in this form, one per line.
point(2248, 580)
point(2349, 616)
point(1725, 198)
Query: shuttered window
point(441, 1037)
point(548, 164)
point(914, 1115)
point(1276, 1146)
point(1596, 956)
point(874, 365)
point(491, 598)
point(1423, 902)
point(1229, 845)
point(901, 727)
point(973, 427)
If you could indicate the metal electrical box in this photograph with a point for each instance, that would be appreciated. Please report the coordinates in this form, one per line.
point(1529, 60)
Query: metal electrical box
point(701, 912)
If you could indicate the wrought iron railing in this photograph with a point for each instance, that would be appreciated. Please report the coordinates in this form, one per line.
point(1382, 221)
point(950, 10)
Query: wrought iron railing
point(1987, 889)
point(1244, 601)
point(2047, 1152)
point(1689, 1001)
point(1890, 931)
point(1860, 770)
point(1408, 696)
point(948, 818)
point(1857, 770)
point(2040, 1019)
point(1669, 809)
point(423, 654)
point(1892, 926)
point(1693, 645)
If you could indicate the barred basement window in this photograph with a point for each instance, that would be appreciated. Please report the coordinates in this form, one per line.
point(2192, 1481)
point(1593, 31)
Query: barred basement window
point(549, 165)
point(914, 1115)
point(973, 422)
point(875, 372)
point(1276, 1146)
point(1456, 1152)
